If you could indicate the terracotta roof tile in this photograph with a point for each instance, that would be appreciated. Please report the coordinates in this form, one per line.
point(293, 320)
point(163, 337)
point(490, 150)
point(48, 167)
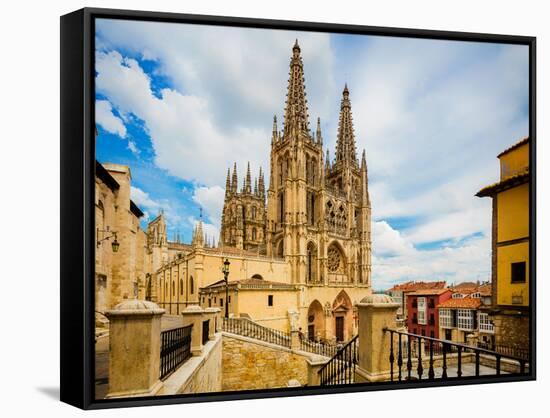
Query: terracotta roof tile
point(464, 303)
point(414, 286)
point(515, 180)
point(513, 147)
point(425, 292)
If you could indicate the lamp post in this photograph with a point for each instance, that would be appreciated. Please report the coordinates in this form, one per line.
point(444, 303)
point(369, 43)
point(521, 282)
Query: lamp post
point(114, 245)
point(225, 271)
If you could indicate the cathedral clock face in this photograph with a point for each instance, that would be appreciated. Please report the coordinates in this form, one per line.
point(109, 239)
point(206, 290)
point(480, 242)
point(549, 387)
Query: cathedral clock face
point(333, 260)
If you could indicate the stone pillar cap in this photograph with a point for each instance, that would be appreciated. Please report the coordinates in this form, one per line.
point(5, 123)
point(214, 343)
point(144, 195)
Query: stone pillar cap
point(135, 307)
point(193, 309)
point(378, 300)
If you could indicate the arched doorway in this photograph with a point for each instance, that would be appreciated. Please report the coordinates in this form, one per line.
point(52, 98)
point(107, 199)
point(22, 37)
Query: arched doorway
point(311, 263)
point(315, 321)
point(342, 311)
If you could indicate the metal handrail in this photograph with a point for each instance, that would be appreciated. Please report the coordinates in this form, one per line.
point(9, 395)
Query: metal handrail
point(340, 369)
point(447, 347)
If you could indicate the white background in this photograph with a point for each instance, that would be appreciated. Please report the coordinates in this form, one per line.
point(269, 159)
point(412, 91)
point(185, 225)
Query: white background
point(29, 206)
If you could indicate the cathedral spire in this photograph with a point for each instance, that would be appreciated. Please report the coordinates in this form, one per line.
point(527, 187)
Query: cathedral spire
point(234, 180)
point(255, 186)
point(318, 135)
point(345, 143)
point(274, 134)
point(365, 179)
point(198, 234)
point(261, 183)
point(227, 184)
point(247, 181)
point(296, 112)
point(327, 161)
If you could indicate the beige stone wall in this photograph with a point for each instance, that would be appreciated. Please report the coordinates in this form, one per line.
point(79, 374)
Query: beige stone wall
point(203, 267)
point(208, 376)
point(121, 275)
point(512, 330)
point(249, 365)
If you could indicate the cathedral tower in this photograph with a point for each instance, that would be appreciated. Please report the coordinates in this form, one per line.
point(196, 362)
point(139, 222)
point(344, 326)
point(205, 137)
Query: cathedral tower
point(318, 214)
point(243, 216)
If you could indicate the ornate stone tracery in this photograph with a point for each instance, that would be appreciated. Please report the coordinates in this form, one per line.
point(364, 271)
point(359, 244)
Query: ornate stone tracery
point(335, 261)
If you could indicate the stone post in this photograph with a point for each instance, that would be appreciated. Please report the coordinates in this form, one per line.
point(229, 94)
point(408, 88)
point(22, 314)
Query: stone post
point(194, 315)
point(134, 349)
point(376, 312)
point(472, 339)
point(314, 364)
point(293, 320)
point(213, 314)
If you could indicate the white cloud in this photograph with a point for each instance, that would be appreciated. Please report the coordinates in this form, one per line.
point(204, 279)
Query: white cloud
point(211, 200)
point(142, 199)
point(469, 261)
point(104, 116)
point(185, 139)
point(387, 241)
point(225, 93)
point(153, 207)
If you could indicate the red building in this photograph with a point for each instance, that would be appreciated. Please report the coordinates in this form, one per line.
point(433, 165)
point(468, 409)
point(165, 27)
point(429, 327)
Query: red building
point(422, 313)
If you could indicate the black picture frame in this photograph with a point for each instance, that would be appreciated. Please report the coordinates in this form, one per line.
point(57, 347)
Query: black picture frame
point(77, 190)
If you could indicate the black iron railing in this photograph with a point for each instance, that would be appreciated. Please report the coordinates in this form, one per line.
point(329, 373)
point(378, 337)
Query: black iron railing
point(318, 348)
point(416, 357)
point(249, 328)
point(175, 348)
point(205, 331)
point(340, 369)
point(506, 350)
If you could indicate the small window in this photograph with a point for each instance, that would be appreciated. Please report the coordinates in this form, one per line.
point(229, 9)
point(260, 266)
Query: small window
point(518, 272)
point(269, 300)
point(221, 302)
point(229, 299)
point(432, 334)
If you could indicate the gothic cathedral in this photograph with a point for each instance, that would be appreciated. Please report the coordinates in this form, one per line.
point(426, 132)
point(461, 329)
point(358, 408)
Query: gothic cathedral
point(318, 212)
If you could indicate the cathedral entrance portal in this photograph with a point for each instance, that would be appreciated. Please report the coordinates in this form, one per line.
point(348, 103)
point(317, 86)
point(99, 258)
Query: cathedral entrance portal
point(342, 309)
point(339, 328)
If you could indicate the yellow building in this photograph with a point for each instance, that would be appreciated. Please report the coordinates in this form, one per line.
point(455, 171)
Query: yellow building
point(510, 248)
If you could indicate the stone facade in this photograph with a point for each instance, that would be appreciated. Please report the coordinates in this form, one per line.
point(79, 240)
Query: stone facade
point(119, 275)
point(511, 329)
point(252, 365)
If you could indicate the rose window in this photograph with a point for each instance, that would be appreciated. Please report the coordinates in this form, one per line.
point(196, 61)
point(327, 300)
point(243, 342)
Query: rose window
point(334, 259)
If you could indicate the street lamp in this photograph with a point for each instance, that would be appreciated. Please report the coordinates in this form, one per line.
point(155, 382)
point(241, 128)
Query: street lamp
point(114, 245)
point(225, 271)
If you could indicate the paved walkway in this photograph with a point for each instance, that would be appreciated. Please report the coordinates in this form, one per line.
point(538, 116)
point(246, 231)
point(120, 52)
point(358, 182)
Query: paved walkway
point(102, 355)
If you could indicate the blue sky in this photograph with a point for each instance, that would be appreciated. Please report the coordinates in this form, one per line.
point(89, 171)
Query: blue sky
point(180, 103)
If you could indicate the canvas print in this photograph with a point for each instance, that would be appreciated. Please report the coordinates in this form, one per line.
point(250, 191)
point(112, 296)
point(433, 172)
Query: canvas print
point(289, 209)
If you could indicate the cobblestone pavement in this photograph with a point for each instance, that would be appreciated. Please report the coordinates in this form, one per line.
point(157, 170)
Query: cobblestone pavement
point(102, 356)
